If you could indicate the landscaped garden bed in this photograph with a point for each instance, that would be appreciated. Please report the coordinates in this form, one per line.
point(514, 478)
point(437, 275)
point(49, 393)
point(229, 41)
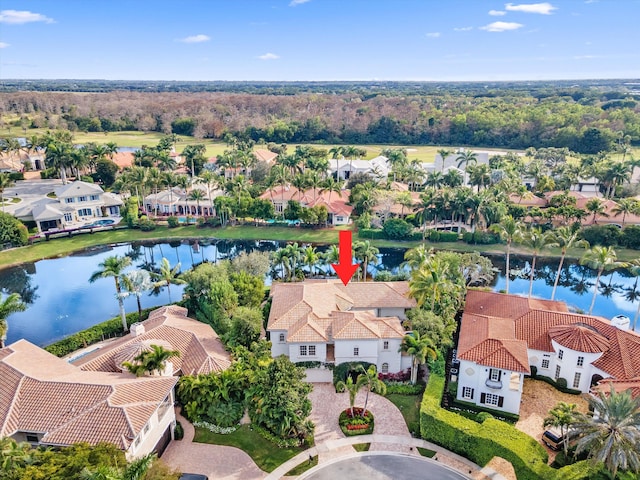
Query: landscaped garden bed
point(353, 422)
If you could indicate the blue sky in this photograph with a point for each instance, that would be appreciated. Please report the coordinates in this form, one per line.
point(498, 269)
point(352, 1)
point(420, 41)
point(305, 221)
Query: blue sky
point(319, 39)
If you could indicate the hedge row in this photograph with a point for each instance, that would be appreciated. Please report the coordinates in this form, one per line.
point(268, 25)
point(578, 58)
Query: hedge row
point(477, 238)
point(480, 442)
point(95, 334)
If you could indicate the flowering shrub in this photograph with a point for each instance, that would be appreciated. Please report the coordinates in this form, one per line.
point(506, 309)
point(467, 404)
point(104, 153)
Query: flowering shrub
point(356, 424)
point(280, 442)
point(215, 428)
point(402, 376)
point(364, 426)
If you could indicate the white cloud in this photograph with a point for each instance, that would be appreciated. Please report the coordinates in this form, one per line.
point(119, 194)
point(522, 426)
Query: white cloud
point(195, 39)
point(497, 13)
point(584, 57)
point(433, 34)
point(3, 45)
point(501, 26)
point(18, 17)
point(295, 3)
point(462, 29)
point(542, 8)
point(269, 56)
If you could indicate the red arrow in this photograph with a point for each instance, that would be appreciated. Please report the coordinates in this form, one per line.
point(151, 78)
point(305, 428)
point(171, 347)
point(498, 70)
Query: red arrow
point(345, 269)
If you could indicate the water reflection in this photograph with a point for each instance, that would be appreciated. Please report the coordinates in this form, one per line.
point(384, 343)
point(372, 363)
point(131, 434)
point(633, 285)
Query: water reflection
point(62, 301)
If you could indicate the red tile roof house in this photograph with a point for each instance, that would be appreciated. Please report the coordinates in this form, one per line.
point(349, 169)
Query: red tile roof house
point(46, 400)
point(503, 336)
point(339, 211)
point(324, 321)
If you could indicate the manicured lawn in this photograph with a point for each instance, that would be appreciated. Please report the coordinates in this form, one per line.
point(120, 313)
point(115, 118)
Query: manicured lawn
point(361, 447)
point(266, 455)
point(303, 467)
point(409, 406)
point(425, 452)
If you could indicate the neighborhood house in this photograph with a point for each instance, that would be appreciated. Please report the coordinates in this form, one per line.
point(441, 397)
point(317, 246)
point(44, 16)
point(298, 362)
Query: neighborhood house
point(328, 322)
point(504, 337)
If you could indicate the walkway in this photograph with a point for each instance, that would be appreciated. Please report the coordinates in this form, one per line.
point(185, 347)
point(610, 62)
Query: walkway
point(215, 461)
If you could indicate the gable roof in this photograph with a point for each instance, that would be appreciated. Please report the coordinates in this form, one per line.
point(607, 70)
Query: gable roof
point(201, 350)
point(265, 155)
point(45, 394)
point(535, 322)
point(315, 311)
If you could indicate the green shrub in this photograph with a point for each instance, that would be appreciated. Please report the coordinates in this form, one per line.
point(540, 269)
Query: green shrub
point(448, 237)
point(434, 235)
point(371, 234)
point(15, 176)
point(401, 388)
point(605, 235)
point(86, 178)
point(397, 229)
point(178, 431)
point(12, 231)
point(92, 335)
point(173, 222)
point(560, 384)
point(631, 237)
point(146, 225)
point(480, 442)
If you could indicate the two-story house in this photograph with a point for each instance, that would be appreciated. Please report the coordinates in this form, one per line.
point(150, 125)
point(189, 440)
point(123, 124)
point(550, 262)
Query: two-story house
point(503, 337)
point(76, 204)
point(339, 212)
point(328, 322)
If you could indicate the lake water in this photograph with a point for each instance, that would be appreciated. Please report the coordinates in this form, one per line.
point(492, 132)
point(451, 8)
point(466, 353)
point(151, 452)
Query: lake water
point(62, 301)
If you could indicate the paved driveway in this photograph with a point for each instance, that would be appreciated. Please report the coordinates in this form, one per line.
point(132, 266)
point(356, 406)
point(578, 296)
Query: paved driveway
point(327, 405)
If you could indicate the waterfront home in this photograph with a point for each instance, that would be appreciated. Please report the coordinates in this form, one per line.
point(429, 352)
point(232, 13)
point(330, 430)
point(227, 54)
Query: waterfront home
point(327, 322)
point(175, 201)
point(377, 167)
point(336, 204)
point(91, 397)
point(504, 337)
point(76, 204)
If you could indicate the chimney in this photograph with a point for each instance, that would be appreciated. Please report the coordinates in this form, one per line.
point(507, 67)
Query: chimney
point(621, 322)
point(137, 329)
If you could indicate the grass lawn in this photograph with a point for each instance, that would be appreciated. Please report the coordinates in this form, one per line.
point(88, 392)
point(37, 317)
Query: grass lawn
point(361, 447)
point(266, 455)
point(409, 406)
point(425, 452)
point(303, 467)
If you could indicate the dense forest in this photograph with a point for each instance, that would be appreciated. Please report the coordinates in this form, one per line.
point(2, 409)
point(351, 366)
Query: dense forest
point(586, 117)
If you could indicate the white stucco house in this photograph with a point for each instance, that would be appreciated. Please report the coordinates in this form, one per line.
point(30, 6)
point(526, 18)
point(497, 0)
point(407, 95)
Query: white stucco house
point(502, 337)
point(76, 203)
point(328, 322)
point(50, 401)
point(377, 167)
point(175, 201)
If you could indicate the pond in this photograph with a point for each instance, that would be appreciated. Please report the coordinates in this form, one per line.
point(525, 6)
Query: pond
point(61, 301)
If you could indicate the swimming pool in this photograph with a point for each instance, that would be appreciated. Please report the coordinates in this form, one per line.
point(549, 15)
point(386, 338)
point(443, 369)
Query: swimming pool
point(101, 223)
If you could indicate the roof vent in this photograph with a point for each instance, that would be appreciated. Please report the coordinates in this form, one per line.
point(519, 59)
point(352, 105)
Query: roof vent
point(621, 321)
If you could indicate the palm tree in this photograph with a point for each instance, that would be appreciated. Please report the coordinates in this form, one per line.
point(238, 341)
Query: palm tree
point(601, 259)
point(113, 267)
point(566, 238)
point(561, 416)
point(150, 361)
point(366, 253)
point(626, 206)
point(210, 179)
point(465, 158)
point(510, 230)
point(196, 195)
point(444, 153)
point(596, 207)
point(59, 156)
point(310, 257)
point(135, 470)
point(373, 383)
point(280, 176)
point(168, 276)
point(136, 283)
point(12, 304)
point(420, 348)
point(537, 241)
point(610, 434)
point(352, 387)
point(331, 185)
point(5, 182)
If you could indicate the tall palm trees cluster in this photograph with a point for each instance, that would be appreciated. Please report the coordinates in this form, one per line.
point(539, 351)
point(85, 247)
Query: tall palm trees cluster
point(295, 261)
point(609, 433)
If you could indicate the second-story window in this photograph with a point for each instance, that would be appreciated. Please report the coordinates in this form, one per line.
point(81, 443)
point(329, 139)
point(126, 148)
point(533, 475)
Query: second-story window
point(95, 197)
point(303, 350)
point(356, 351)
point(68, 200)
point(494, 375)
point(580, 361)
point(385, 345)
point(82, 198)
point(560, 354)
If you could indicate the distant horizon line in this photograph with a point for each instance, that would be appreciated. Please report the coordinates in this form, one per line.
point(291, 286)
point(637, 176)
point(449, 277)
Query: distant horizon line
point(324, 81)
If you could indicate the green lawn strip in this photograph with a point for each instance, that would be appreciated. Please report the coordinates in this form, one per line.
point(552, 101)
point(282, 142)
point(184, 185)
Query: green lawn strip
point(303, 467)
point(265, 454)
point(425, 452)
point(57, 247)
point(409, 406)
point(361, 447)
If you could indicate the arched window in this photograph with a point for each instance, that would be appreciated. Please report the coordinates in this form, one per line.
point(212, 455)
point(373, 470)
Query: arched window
point(282, 337)
point(385, 368)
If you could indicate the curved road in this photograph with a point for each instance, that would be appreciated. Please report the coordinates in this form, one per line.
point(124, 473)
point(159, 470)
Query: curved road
point(382, 466)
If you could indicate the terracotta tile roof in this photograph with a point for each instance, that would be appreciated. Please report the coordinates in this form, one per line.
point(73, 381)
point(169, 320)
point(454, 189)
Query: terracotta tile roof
point(335, 204)
point(619, 386)
point(317, 310)
point(200, 347)
point(265, 155)
point(46, 394)
point(504, 354)
point(580, 338)
point(534, 325)
point(123, 159)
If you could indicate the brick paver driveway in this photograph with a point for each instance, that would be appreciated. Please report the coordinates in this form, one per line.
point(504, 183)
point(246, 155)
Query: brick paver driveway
point(327, 405)
point(216, 461)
